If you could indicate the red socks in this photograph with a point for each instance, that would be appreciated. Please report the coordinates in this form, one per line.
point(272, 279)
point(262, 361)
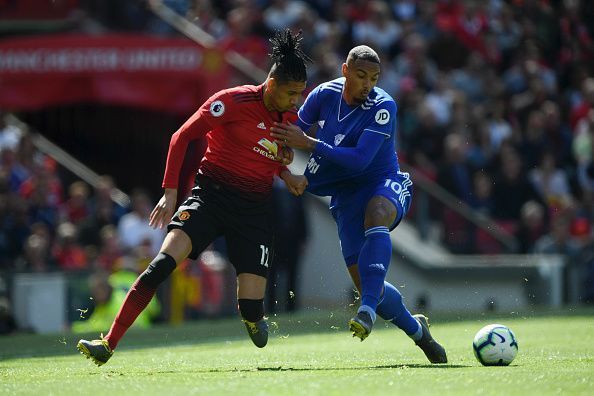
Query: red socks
point(136, 300)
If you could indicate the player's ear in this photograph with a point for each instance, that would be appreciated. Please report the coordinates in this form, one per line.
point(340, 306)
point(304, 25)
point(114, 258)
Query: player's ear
point(271, 83)
point(345, 70)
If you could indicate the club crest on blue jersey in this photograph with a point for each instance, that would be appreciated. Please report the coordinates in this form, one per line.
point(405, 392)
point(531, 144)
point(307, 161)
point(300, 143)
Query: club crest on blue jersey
point(338, 138)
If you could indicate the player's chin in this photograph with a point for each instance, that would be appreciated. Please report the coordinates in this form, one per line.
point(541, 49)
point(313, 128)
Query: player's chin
point(288, 108)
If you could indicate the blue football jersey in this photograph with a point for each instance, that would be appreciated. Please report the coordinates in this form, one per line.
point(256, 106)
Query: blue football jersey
point(341, 125)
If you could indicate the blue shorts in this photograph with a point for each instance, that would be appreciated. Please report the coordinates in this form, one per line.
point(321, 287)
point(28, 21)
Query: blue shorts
point(348, 209)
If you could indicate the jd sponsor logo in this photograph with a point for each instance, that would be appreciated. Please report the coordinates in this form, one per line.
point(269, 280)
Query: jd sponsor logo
point(382, 117)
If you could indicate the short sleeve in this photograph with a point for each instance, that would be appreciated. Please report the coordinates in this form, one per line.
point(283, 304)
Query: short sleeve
point(383, 120)
point(218, 110)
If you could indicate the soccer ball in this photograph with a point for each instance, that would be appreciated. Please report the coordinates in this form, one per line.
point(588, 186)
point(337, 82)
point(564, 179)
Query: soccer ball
point(495, 345)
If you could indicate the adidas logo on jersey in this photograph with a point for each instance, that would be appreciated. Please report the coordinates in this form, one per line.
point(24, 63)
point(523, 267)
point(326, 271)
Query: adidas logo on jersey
point(261, 125)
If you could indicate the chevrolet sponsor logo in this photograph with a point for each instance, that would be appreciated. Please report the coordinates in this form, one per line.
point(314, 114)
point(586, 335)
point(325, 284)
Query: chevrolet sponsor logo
point(264, 153)
point(272, 147)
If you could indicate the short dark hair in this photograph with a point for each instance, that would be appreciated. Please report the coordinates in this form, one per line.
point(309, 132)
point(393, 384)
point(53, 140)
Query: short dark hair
point(287, 56)
point(363, 52)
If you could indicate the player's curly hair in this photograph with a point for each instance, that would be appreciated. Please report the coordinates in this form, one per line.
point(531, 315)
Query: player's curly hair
point(289, 60)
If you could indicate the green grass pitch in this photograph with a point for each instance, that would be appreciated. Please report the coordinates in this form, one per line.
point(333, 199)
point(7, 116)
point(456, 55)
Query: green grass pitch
point(310, 353)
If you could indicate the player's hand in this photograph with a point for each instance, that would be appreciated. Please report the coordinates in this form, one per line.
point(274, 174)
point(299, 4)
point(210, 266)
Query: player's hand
point(285, 155)
point(163, 211)
point(292, 136)
point(296, 184)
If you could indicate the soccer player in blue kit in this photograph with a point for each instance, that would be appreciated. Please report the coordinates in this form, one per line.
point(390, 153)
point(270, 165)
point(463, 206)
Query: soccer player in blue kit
point(353, 160)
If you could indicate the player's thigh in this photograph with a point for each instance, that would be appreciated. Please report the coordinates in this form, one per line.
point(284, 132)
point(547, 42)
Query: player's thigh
point(200, 219)
point(249, 245)
point(177, 244)
point(397, 189)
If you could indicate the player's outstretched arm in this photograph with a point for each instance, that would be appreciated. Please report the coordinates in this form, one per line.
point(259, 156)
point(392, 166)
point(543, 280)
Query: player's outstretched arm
point(355, 158)
point(164, 209)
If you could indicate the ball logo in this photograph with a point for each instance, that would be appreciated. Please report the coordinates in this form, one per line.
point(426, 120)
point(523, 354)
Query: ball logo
point(217, 108)
point(382, 117)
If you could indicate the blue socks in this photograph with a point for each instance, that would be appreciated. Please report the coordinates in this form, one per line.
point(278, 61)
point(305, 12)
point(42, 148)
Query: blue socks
point(391, 308)
point(374, 260)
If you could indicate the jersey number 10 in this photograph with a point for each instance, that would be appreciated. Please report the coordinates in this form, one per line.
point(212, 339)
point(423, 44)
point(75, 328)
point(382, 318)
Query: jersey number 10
point(395, 186)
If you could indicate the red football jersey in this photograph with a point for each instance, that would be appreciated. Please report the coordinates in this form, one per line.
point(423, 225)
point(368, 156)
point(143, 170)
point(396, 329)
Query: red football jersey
point(240, 149)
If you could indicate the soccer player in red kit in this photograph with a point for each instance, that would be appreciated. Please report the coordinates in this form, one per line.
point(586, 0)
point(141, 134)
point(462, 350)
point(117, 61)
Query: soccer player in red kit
point(231, 195)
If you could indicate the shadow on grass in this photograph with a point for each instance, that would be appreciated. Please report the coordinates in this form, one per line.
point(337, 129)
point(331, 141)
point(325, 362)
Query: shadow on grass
point(284, 369)
point(382, 367)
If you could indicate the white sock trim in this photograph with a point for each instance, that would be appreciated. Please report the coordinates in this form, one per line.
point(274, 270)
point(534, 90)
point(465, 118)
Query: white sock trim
point(369, 310)
point(378, 229)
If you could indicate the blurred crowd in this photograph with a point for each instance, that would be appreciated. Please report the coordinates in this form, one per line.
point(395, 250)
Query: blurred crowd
point(52, 221)
point(496, 105)
point(496, 97)
point(46, 225)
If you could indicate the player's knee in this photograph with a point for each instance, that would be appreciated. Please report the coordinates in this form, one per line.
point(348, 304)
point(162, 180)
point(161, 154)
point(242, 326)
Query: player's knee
point(379, 212)
point(158, 270)
point(251, 310)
